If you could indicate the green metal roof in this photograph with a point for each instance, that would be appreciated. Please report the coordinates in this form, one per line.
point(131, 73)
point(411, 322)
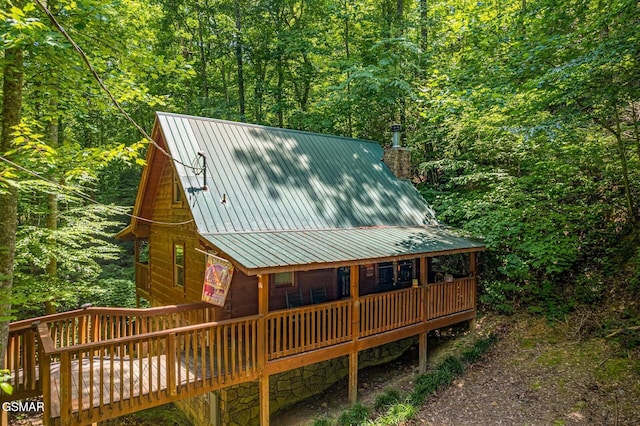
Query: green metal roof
point(277, 179)
point(280, 197)
point(313, 248)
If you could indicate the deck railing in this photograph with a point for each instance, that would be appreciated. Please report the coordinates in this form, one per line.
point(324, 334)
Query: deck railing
point(121, 360)
point(446, 298)
point(85, 326)
point(391, 310)
point(145, 370)
point(21, 358)
point(98, 324)
point(307, 328)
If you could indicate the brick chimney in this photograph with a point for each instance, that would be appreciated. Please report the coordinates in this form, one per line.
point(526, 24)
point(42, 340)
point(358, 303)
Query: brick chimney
point(397, 158)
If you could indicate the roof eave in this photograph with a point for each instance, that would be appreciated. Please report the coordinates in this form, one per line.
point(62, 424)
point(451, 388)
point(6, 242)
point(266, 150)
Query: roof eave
point(352, 262)
point(126, 234)
point(142, 189)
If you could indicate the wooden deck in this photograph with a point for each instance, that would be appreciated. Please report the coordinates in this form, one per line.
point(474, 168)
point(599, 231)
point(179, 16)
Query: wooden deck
point(98, 363)
point(104, 381)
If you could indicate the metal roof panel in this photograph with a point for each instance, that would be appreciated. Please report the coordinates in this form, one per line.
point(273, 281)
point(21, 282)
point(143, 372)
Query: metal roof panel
point(280, 180)
point(261, 250)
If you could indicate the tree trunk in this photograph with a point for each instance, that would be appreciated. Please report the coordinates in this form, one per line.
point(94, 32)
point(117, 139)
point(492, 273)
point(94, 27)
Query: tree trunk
point(279, 90)
point(636, 131)
point(11, 112)
point(204, 81)
point(348, 56)
point(238, 40)
point(625, 168)
point(261, 72)
point(424, 29)
point(52, 201)
point(400, 18)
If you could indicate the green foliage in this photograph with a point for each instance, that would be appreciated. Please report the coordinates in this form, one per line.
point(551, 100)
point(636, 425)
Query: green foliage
point(499, 295)
point(480, 347)
point(116, 292)
point(79, 245)
point(5, 386)
point(397, 414)
point(355, 415)
point(634, 280)
point(452, 366)
point(322, 422)
point(386, 399)
point(522, 117)
point(531, 141)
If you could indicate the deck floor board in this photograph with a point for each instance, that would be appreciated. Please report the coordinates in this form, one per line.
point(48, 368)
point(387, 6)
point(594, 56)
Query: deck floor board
point(118, 379)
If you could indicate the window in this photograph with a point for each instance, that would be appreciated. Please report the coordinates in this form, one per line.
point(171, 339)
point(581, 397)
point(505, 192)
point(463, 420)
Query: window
point(283, 279)
point(178, 265)
point(405, 271)
point(385, 274)
point(176, 197)
point(344, 282)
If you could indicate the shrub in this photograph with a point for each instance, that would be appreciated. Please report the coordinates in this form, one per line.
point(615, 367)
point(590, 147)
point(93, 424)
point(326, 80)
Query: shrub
point(356, 415)
point(388, 398)
point(397, 414)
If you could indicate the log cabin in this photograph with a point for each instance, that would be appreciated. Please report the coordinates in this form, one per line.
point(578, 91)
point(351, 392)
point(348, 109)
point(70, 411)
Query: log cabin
point(334, 252)
point(298, 214)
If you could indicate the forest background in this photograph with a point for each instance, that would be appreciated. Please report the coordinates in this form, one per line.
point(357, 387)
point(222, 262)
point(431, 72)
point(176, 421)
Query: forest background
point(523, 119)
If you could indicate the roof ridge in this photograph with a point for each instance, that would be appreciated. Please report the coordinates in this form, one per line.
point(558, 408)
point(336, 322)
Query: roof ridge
point(271, 231)
point(261, 126)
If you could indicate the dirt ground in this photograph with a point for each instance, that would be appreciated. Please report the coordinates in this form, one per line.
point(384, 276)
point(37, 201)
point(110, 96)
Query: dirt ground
point(541, 375)
point(536, 374)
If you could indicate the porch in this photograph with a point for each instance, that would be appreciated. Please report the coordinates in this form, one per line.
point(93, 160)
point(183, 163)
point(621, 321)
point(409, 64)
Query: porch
point(99, 363)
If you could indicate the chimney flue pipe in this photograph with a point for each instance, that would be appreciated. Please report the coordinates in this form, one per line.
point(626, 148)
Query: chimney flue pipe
point(396, 129)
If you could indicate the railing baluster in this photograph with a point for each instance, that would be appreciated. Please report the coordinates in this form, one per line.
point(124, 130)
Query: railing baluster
point(219, 361)
point(65, 387)
point(78, 357)
point(131, 375)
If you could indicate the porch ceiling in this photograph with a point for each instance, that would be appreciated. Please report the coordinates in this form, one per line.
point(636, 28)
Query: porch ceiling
point(263, 252)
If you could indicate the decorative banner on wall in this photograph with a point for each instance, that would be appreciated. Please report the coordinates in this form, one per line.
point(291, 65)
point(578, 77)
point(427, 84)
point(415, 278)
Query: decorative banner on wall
point(217, 279)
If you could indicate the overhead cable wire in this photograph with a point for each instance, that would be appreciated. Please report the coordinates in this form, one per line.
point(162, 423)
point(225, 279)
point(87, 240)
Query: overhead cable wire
point(85, 197)
point(103, 86)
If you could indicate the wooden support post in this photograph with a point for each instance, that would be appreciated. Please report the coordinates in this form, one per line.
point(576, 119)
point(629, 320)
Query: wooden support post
point(353, 378)
point(424, 277)
point(354, 283)
point(264, 400)
point(473, 268)
point(354, 276)
point(65, 388)
point(422, 353)
point(263, 350)
point(44, 372)
point(424, 271)
point(4, 418)
point(263, 311)
point(473, 263)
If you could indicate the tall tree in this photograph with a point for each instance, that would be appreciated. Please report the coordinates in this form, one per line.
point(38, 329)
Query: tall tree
point(239, 58)
point(11, 114)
